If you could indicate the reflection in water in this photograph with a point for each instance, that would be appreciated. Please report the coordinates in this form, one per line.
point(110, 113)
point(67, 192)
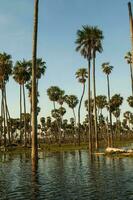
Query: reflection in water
point(65, 176)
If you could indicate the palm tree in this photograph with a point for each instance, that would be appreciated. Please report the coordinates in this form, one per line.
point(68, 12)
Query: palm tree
point(72, 102)
point(88, 43)
point(128, 57)
point(55, 93)
point(5, 72)
point(40, 69)
point(107, 69)
point(83, 42)
point(101, 102)
point(115, 102)
point(22, 76)
point(81, 75)
point(97, 37)
point(34, 88)
point(130, 101)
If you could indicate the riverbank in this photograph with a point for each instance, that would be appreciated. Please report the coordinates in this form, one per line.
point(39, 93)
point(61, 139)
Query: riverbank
point(63, 147)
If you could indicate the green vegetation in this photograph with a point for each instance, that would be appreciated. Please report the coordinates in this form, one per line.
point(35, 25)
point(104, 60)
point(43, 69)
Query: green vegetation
point(103, 124)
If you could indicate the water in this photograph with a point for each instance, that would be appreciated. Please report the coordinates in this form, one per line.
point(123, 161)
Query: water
point(66, 176)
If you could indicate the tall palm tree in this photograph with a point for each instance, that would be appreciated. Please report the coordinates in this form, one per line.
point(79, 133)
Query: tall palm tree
point(72, 102)
point(107, 69)
point(88, 43)
point(129, 59)
point(34, 87)
point(84, 46)
point(96, 47)
point(81, 75)
point(22, 76)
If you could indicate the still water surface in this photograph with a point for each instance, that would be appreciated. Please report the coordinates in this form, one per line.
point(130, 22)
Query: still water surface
point(66, 176)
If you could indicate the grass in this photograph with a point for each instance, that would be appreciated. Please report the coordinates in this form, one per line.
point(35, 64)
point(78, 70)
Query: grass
point(63, 147)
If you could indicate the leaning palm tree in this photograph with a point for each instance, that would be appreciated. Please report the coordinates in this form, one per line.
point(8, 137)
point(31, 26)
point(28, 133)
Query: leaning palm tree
point(107, 69)
point(129, 59)
point(34, 88)
point(81, 75)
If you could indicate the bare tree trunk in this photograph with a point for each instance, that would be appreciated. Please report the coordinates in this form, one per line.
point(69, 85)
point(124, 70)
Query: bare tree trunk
point(131, 73)
point(7, 117)
point(20, 114)
point(131, 23)
point(89, 105)
point(131, 33)
point(3, 116)
point(34, 153)
point(79, 113)
point(25, 140)
point(95, 109)
point(74, 116)
point(110, 115)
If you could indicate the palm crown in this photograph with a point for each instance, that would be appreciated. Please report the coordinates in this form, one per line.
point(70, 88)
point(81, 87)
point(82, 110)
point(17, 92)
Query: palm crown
point(107, 69)
point(20, 72)
point(89, 41)
point(81, 75)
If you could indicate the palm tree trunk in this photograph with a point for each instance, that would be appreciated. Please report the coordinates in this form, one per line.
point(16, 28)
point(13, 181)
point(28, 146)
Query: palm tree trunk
point(79, 113)
point(7, 117)
point(3, 117)
point(131, 33)
point(89, 105)
point(34, 153)
point(95, 109)
point(110, 115)
point(25, 141)
point(131, 73)
point(58, 127)
point(74, 115)
point(20, 114)
point(131, 23)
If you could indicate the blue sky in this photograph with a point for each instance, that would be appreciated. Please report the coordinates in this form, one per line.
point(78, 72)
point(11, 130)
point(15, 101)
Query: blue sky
point(58, 22)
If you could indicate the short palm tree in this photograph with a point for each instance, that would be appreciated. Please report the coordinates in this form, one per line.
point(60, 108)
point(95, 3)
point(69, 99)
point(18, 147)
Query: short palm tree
point(130, 101)
point(72, 101)
point(54, 93)
point(81, 75)
point(101, 102)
